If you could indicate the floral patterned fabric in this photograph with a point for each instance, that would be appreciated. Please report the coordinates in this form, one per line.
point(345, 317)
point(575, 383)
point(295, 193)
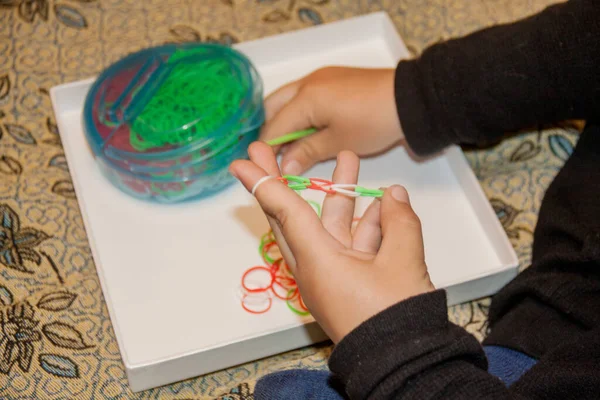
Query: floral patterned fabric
point(56, 340)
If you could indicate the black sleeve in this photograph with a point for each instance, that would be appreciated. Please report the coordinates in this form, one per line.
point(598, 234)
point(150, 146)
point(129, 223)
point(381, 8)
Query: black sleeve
point(472, 90)
point(411, 351)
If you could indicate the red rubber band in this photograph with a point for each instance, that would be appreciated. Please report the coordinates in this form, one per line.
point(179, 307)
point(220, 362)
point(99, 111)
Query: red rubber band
point(276, 266)
point(302, 305)
point(286, 269)
point(258, 290)
point(315, 186)
point(324, 181)
point(288, 297)
point(284, 280)
point(265, 251)
point(275, 270)
point(288, 285)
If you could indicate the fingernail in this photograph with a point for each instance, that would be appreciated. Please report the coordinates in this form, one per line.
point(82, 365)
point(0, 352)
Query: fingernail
point(292, 168)
point(232, 172)
point(400, 194)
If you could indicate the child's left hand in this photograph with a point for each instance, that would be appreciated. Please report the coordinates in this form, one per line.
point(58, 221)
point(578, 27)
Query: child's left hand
point(344, 278)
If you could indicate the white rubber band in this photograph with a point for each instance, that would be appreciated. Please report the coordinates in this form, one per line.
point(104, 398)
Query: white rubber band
point(345, 192)
point(260, 181)
point(343, 186)
point(347, 189)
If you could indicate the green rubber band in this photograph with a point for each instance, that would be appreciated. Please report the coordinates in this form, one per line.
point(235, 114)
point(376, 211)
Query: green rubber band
point(316, 206)
point(267, 257)
point(291, 307)
point(298, 186)
point(267, 236)
point(290, 137)
point(296, 179)
point(368, 192)
point(261, 251)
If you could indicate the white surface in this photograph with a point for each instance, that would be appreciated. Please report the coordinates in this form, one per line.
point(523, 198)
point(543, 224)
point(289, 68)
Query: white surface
point(170, 273)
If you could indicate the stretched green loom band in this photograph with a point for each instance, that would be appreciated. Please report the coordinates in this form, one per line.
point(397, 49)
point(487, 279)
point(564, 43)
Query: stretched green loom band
point(290, 137)
point(368, 192)
point(298, 186)
point(297, 179)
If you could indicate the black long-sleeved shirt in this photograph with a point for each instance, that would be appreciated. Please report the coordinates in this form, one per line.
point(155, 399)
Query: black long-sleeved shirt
point(473, 90)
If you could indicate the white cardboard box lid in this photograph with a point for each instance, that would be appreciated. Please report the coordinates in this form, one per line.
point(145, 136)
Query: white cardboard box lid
point(170, 274)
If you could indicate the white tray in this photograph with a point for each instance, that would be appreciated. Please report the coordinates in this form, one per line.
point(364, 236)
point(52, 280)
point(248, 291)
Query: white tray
point(170, 273)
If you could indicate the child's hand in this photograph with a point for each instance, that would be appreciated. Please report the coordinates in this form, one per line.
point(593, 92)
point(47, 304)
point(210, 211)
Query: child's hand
point(343, 278)
point(354, 109)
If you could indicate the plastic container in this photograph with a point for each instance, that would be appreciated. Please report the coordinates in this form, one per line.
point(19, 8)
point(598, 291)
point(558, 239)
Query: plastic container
point(165, 123)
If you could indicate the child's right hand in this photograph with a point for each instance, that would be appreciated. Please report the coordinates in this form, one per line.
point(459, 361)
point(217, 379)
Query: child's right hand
point(353, 109)
point(345, 276)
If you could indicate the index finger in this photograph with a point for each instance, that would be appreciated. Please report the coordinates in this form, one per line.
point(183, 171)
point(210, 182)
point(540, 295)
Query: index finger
point(264, 157)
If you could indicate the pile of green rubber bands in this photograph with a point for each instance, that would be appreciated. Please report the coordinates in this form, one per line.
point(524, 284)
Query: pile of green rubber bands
point(192, 104)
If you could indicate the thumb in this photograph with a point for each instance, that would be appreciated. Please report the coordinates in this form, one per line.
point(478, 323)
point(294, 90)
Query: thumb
point(303, 154)
point(400, 227)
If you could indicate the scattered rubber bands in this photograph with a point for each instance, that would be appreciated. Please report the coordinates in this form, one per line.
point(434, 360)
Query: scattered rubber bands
point(275, 278)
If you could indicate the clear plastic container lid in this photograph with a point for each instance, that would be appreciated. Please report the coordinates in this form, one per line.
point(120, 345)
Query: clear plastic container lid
point(171, 106)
